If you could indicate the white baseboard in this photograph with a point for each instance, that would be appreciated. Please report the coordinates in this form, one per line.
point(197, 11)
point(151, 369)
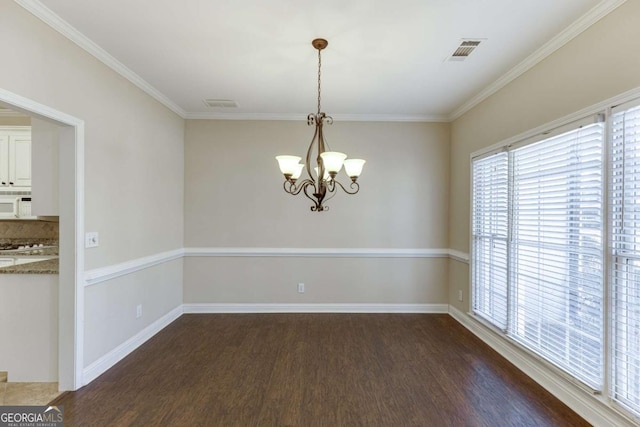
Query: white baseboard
point(315, 308)
point(593, 408)
point(101, 365)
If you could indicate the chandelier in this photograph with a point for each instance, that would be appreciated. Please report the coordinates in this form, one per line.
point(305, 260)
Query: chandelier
point(328, 163)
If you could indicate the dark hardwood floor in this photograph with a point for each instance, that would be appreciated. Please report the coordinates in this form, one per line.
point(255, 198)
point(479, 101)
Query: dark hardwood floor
point(314, 370)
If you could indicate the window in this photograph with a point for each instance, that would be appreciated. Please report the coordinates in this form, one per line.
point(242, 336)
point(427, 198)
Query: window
point(537, 247)
point(489, 215)
point(538, 267)
point(625, 263)
point(557, 251)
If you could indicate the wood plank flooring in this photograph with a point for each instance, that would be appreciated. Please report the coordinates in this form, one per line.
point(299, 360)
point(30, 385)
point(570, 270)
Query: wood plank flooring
point(314, 370)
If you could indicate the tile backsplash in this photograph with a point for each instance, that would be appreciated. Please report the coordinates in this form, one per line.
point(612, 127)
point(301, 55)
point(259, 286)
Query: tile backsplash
point(15, 193)
point(28, 229)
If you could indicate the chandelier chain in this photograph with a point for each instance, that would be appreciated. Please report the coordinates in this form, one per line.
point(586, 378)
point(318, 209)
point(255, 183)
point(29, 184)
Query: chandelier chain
point(319, 75)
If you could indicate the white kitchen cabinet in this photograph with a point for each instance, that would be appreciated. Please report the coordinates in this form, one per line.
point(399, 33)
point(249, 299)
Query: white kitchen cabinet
point(15, 158)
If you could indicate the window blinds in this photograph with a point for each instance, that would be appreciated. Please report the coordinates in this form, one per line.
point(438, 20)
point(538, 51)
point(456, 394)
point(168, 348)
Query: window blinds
point(625, 244)
point(489, 230)
point(556, 250)
point(537, 247)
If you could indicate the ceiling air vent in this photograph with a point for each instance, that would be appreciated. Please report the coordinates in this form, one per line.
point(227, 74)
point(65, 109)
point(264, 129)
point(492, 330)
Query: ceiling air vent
point(464, 50)
point(220, 103)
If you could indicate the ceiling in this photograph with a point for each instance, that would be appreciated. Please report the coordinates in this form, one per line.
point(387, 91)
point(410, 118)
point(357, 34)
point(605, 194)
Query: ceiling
point(385, 60)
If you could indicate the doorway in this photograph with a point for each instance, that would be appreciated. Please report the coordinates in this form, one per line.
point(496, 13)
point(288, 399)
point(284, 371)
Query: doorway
point(71, 247)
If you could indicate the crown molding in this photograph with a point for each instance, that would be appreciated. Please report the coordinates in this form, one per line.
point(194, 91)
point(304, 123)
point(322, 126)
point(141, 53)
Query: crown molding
point(45, 14)
point(63, 27)
point(429, 118)
point(594, 15)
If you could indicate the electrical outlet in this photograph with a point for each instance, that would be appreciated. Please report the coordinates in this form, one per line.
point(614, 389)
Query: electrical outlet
point(138, 311)
point(91, 239)
point(460, 296)
point(301, 288)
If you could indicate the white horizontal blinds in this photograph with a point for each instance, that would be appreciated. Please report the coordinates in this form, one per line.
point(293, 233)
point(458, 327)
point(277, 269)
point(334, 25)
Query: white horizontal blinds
point(489, 232)
point(556, 250)
point(625, 235)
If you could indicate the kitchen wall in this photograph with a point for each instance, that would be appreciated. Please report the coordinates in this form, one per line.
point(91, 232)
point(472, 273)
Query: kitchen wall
point(234, 198)
point(594, 66)
point(133, 170)
point(14, 121)
point(28, 229)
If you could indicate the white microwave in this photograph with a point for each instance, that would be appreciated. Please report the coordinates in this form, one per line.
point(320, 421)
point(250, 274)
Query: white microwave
point(9, 206)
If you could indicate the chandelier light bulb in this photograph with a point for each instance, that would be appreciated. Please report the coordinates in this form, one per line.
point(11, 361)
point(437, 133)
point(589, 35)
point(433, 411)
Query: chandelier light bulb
point(288, 164)
point(296, 174)
point(332, 161)
point(326, 176)
point(353, 167)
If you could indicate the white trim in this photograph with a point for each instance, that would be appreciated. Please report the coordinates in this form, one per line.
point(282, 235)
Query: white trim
point(42, 12)
point(30, 107)
point(315, 308)
point(102, 274)
point(593, 408)
point(318, 252)
point(459, 256)
point(107, 361)
point(98, 275)
point(587, 20)
point(431, 118)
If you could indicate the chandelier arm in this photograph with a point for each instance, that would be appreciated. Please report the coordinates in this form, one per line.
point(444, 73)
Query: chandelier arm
point(317, 204)
point(353, 185)
point(295, 189)
point(332, 191)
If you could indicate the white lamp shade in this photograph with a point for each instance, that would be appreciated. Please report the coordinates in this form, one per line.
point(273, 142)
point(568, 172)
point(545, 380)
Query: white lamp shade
point(326, 174)
point(353, 167)
point(333, 160)
point(288, 164)
point(298, 171)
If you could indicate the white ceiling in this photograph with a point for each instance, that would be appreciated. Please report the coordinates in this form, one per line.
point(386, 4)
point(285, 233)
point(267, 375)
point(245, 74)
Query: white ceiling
point(385, 59)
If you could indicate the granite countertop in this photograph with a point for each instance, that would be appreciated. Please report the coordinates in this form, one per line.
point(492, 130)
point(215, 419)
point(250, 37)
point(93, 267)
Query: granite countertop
point(48, 266)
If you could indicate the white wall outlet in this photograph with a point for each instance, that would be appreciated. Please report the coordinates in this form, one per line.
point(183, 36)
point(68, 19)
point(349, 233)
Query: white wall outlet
point(460, 296)
point(91, 239)
point(138, 311)
point(301, 288)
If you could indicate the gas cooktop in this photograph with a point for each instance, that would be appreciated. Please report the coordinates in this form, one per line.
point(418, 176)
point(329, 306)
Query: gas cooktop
point(12, 247)
point(8, 246)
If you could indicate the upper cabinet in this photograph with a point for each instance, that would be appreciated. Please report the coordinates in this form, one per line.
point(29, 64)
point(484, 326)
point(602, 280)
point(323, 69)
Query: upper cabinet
point(15, 159)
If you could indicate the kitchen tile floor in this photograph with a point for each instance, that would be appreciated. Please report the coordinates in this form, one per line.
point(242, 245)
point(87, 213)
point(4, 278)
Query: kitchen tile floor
point(26, 393)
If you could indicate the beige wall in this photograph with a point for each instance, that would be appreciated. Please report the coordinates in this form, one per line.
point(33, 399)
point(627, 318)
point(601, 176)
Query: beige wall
point(596, 65)
point(133, 165)
point(111, 306)
point(234, 198)
point(133, 148)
